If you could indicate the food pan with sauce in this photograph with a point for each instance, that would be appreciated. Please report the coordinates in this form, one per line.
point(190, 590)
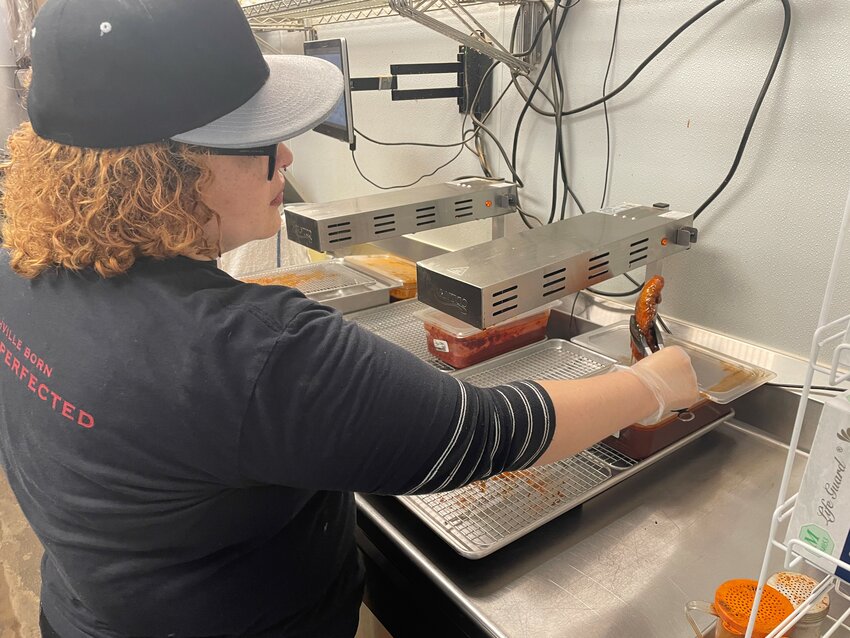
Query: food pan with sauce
point(461, 345)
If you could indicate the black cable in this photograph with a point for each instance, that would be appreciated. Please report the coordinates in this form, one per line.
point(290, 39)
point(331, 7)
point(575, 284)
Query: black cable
point(646, 62)
point(573, 314)
point(479, 124)
point(780, 48)
point(428, 144)
point(530, 49)
point(545, 65)
point(525, 217)
point(558, 163)
point(510, 166)
point(617, 294)
point(605, 104)
point(796, 386)
point(413, 183)
point(562, 142)
point(527, 52)
point(555, 35)
point(462, 145)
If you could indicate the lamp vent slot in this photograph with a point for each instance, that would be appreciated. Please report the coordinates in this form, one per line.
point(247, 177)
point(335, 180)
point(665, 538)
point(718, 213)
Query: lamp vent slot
point(384, 223)
point(598, 257)
point(463, 208)
point(504, 301)
point(553, 273)
point(339, 232)
point(599, 274)
point(504, 310)
point(635, 244)
point(553, 291)
point(425, 218)
point(504, 292)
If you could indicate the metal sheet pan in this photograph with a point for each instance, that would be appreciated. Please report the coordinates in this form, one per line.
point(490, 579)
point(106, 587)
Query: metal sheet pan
point(334, 284)
point(396, 323)
point(478, 519)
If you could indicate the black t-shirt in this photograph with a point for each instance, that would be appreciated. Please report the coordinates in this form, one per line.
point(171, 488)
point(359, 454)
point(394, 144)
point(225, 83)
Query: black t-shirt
point(185, 446)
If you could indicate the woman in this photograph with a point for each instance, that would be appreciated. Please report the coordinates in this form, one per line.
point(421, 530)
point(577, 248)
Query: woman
point(186, 445)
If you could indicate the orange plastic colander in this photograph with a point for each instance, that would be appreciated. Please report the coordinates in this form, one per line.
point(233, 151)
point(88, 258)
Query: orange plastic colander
point(733, 602)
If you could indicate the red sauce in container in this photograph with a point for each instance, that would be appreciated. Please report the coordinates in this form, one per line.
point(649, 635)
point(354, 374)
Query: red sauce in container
point(461, 346)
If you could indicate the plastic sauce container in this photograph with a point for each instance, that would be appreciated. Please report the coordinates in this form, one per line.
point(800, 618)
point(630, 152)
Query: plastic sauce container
point(461, 345)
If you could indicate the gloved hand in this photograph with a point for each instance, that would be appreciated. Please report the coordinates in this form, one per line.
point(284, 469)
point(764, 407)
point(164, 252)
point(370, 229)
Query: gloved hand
point(669, 375)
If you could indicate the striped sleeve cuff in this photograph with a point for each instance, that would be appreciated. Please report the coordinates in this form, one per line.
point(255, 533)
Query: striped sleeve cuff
point(532, 425)
point(494, 430)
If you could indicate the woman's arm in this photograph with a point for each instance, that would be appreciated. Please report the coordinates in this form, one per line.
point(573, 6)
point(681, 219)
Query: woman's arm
point(337, 408)
point(588, 410)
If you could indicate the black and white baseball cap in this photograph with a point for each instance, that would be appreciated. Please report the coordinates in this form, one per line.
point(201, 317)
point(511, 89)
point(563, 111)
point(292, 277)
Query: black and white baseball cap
point(115, 73)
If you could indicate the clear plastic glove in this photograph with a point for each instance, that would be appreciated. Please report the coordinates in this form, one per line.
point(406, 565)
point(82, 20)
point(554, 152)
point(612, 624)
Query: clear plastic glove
point(669, 375)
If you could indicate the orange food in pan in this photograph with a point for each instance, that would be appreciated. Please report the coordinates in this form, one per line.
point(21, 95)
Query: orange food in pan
point(293, 280)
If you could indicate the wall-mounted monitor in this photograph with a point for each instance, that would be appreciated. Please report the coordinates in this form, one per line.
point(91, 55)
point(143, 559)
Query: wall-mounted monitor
point(340, 124)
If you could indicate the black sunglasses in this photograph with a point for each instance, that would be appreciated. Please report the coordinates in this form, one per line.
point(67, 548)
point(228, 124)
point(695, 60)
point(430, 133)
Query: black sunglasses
point(258, 151)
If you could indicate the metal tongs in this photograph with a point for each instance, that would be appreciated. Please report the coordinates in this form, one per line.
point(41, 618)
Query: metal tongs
point(639, 341)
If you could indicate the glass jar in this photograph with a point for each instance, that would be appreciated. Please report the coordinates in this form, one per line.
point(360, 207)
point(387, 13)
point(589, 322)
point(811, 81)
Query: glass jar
point(797, 588)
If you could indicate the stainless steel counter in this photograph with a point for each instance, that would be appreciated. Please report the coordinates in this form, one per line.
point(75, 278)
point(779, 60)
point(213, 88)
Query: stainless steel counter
point(626, 562)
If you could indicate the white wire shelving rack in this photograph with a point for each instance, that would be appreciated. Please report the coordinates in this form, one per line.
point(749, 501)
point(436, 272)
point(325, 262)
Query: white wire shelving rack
point(451, 18)
point(835, 335)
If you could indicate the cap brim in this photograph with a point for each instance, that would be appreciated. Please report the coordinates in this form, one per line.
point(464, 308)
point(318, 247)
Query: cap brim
point(301, 93)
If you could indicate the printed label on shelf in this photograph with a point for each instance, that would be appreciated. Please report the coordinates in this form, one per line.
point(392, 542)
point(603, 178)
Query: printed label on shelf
point(821, 515)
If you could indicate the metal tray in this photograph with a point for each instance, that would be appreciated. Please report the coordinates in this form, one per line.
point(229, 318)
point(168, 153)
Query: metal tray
point(480, 518)
point(335, 284)
point(397, 324)
point(551, 359)
point(721, 378)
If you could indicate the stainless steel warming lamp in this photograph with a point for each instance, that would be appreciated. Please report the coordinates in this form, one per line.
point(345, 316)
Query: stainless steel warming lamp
point(333, 226)
point(486, 284)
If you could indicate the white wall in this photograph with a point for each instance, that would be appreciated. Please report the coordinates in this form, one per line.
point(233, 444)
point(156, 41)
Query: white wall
point(759, 269)
point(11, 112)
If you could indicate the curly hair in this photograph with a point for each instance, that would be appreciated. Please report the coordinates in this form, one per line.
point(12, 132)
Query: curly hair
point(80, 208)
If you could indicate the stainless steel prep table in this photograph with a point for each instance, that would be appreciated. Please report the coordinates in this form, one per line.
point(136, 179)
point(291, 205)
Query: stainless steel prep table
point(624, 564)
